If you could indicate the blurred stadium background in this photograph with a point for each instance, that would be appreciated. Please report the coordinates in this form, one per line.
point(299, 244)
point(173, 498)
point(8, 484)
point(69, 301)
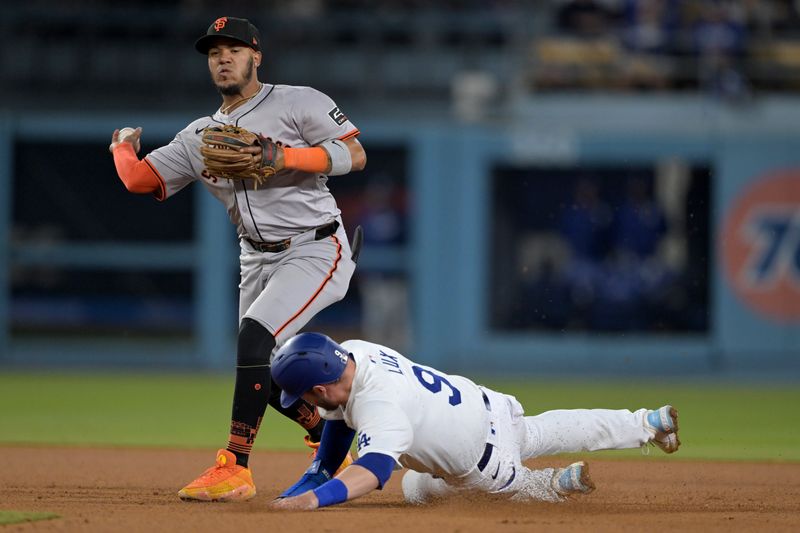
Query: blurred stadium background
point(560, 187)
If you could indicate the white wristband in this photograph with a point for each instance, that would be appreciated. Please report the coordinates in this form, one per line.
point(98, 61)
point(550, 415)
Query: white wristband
point(341, 161)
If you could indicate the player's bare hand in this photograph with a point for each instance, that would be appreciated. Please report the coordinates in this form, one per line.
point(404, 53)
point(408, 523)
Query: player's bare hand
point(126, 135)
point(305, 502)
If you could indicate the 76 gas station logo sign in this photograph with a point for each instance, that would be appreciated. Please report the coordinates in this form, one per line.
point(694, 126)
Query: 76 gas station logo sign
point(760, 246)
point(775, 236)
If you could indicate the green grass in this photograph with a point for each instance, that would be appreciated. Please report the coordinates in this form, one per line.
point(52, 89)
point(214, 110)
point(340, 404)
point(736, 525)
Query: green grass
point(126, 410)
point(718, 421)
point(15, 517)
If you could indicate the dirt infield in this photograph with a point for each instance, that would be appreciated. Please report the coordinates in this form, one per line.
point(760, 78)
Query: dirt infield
point(134, 490)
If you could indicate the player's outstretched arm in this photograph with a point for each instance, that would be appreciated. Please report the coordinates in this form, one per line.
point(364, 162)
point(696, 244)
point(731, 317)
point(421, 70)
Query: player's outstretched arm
point(369, 472)
point(354, 482)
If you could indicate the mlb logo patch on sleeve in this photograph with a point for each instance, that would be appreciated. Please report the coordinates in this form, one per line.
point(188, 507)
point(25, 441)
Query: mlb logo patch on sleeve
point(338, 117)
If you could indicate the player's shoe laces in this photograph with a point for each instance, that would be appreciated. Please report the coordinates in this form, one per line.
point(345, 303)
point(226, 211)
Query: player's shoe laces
point(348, 459)
point(225, 481)
point(663, 423)
point(573, 479)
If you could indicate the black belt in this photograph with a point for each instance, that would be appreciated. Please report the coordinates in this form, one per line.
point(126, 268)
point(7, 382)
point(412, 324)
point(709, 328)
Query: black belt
point(487, 451)
point(274, 247)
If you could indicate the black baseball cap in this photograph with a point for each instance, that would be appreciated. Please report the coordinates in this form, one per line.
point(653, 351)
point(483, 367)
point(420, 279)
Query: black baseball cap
point(233, 28)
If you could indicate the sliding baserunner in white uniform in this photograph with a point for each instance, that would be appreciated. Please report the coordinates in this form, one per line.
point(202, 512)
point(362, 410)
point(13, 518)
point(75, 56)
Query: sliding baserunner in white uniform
point(452, 434)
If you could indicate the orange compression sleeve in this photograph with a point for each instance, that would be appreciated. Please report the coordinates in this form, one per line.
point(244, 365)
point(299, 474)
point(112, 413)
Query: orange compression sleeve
point(314, 159)
point(138, 176)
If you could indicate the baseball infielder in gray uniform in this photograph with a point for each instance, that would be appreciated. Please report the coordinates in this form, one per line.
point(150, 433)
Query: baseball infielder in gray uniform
point(295, 256)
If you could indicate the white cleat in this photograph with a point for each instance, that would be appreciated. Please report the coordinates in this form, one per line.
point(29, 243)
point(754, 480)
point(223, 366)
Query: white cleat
point(573, 479)
point(663, 423)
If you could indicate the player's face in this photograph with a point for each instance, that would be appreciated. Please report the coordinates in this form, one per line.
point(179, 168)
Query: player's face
point(321, 399)
point(232, 66)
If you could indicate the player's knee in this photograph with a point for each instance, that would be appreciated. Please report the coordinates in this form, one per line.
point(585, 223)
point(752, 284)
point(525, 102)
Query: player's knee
point(255, 344)
point(414, 490)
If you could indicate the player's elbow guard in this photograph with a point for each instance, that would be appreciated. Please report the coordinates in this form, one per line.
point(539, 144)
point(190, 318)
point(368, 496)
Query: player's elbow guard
point(344, 156)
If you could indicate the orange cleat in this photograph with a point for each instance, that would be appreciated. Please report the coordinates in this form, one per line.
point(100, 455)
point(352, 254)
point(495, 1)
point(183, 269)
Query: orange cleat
point(348, 459)
point(224, 482)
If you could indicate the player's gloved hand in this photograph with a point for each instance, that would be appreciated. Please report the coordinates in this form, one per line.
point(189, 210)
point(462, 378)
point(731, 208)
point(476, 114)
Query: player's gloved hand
point(313, 478)
point(268, 153)
point(235, 153)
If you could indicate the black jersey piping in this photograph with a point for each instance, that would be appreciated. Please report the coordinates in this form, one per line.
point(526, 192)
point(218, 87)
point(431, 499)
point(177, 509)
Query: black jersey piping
point(255, 106)
point(249, 210)
point(244, 184)
point(198, 131)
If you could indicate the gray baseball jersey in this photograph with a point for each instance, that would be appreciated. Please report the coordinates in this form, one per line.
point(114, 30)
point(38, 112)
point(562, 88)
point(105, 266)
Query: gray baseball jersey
point(281, 290)
point(287, 202)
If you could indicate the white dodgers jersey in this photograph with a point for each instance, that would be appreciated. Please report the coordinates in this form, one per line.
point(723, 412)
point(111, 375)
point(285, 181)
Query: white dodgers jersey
point(426, 420)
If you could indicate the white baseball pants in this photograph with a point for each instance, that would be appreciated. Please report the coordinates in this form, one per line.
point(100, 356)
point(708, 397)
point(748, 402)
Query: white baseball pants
point(519, 438)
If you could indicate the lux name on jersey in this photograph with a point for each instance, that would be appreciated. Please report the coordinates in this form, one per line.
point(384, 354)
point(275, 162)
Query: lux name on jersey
point(390, 362)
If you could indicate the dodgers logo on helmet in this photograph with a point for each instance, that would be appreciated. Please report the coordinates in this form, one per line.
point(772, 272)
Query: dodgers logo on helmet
point(760, 246)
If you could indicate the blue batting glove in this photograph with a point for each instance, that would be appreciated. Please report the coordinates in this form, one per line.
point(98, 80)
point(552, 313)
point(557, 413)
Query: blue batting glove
point(313, 478)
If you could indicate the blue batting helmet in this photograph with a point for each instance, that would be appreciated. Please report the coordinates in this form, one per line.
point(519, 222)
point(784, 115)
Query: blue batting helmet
point(306, 360)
